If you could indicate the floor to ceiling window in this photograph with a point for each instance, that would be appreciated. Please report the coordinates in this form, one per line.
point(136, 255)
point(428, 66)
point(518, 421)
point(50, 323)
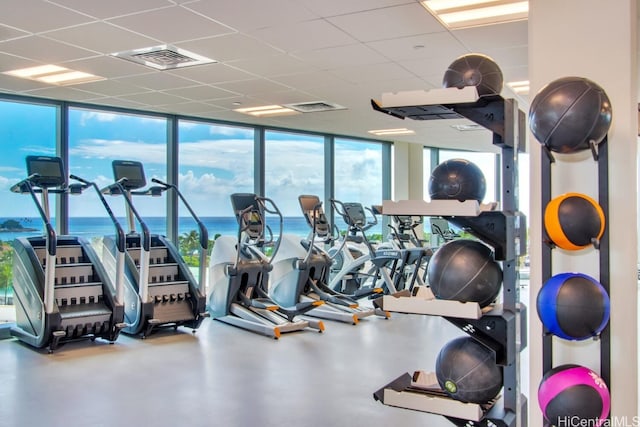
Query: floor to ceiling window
point(485, 161)
point(96, 138)
point(18, 215)
point(294, 165)
point(359, 177)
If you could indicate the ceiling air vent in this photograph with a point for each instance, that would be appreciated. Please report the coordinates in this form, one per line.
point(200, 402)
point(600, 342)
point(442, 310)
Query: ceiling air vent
point(163, 57)
point(315, 106)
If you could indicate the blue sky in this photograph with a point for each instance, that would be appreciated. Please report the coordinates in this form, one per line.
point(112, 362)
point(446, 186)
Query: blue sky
point(215, 161)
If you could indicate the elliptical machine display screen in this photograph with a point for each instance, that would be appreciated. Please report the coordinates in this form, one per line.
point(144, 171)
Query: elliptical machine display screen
point(49, 171)
point(355, 213)
point(133, 171)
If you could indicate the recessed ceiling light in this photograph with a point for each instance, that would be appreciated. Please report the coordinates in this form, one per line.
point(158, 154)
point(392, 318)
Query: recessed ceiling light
point(54, 74)
point(521, 87)
point(266, 110)
point(397, 131)
point(471, 13)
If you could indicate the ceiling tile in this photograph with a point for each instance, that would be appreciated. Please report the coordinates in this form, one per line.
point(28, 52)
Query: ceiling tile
point(36, 15)
point(8, 33)
point(229, 47)
point(108, 66)
point(236, 102)
point(112, 88)
point(248, 15)
point(111, 8)
point(423, 46)
point(16, 84)
point(304, 36)
point(391, 22)
point(101, 37)
point(290, 97)
point(122, 103)
point(372, 73)
point(509, 57)
point(478, 39)
point(12, 62)
point(341, 56)
point(161, 25)
point(189, 108)
point(326, 8)
point(254, 87)
point(154, 98)
point(212, 73)
point(432, 69)
point(310, 80)
point(274, 65)
point(44, 50)
point(158, 80)
point(67, 93)
point(201, 93)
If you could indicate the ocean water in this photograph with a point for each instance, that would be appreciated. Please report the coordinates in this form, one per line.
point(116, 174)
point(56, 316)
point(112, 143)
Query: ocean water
point(99, 226)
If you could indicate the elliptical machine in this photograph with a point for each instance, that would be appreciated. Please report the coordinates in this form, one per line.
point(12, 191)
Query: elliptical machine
point(62, 291)
point(160, 290)
point(239, 274)
point(301, 270)
point(356, 272)
point(412, 270)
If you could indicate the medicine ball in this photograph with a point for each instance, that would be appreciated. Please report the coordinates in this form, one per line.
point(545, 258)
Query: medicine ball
point(476, 70)
point(464, 270)
point(457, 179)
point(573, 395)
point(568, 113)
point(572, 220)
point(573, 306)
point(467, 371)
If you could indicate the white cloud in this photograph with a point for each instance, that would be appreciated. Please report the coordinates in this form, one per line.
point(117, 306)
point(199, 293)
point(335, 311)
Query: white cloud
point(99, 116)
point(117, 149)
point(9, 169)
point(231, 131)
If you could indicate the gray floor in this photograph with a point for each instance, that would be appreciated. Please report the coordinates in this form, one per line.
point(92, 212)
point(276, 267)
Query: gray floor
point(223, 376)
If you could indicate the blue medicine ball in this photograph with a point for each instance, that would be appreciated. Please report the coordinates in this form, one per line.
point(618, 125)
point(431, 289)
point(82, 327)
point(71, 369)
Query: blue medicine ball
point(573, 306)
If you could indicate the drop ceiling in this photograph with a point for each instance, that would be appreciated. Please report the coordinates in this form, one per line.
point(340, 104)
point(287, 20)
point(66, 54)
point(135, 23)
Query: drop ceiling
point(268, 52)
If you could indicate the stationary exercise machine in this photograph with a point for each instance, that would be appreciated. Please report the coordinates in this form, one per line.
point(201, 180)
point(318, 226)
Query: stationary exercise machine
point(239, 274)
point(356, 272)
point(160, 290)
point(62, 291)
point(412, 270)
point(301, 270)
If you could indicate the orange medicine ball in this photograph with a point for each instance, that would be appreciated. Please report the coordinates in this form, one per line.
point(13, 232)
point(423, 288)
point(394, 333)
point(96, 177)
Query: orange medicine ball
point(573, 220)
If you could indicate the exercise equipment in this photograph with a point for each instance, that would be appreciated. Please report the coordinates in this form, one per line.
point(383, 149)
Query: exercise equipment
point(358, 269)
point(467, 371)
point(411, 270)
point(160, 290)
point(573, 394)
point(62, 291)
point(574, 221)
point(475, 70)
point(457, 179)
point(570, 114)
point(573, 306)
point(301, 270)
point(239, 274)
point(464, 270)
point(403, 236)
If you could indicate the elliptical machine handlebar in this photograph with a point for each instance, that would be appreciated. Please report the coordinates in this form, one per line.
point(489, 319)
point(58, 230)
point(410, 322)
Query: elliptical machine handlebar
point(269, 206)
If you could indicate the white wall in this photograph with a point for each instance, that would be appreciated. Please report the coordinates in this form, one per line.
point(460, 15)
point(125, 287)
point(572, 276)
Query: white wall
point(597, 40)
